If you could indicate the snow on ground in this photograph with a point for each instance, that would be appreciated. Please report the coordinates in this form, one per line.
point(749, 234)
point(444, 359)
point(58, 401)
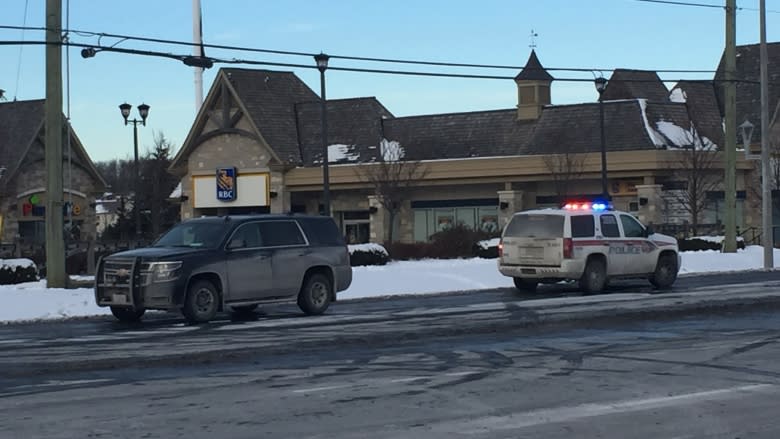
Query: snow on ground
point(32, 301)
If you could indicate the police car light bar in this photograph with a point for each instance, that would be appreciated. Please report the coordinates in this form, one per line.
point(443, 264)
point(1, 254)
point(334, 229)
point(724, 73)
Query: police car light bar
point(596, 206)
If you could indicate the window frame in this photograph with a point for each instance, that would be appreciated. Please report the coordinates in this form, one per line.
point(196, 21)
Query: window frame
point(617, 225)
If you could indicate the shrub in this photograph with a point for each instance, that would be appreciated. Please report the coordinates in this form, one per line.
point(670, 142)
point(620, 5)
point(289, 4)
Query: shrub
point(400, 251)
point(16, 271)
point(487, 249)
point(457, 242)
point(367, 254)
point(697, 244)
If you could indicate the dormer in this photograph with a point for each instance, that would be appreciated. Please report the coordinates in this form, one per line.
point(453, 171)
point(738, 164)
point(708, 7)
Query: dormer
point(533, 89)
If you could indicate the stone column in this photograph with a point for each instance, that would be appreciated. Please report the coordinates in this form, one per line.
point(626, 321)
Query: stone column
point(509, 202)
point(651, 203)
point(406, 223)
point(378, 222)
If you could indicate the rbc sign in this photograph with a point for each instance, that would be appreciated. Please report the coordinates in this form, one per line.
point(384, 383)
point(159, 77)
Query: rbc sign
point(226, 184)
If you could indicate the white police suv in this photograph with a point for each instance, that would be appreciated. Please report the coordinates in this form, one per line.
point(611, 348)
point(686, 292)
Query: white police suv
point(584, 241)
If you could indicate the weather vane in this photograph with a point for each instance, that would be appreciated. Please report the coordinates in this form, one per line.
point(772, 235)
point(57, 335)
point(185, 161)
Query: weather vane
point(533, 39)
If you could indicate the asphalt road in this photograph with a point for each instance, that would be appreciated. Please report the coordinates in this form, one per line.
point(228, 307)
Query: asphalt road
point(453, 374)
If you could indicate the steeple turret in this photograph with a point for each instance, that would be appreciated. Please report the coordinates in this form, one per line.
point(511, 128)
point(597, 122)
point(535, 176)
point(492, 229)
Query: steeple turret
point(533, 89)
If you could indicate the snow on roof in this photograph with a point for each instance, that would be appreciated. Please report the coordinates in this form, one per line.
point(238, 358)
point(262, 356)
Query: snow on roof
point(678, 95)
point(681, 137)
point(339, 152)
point(668, 135)
point(176, 192)
point(391, 150)
point(656, 138)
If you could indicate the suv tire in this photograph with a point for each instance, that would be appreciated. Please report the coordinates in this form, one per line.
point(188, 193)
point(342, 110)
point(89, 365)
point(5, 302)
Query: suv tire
point(127, 315)
point(594, 278)
point(525, 285)
point(314, 297)
point(202, 302)
point(665, 272)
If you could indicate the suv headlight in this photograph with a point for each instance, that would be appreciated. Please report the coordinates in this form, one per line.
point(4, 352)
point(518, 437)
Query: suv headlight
point(164, 271)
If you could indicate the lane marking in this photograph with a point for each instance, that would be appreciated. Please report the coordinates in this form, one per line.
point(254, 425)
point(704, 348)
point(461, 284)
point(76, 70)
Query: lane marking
point(588, 410)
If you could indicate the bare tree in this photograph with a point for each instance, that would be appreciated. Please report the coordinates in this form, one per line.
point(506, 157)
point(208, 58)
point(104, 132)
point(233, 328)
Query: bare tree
point(695, 169)
point(392, 178)
point(565, 169)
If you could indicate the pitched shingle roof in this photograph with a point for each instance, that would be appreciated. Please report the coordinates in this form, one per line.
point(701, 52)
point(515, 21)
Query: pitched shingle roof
point(628, 125)
point(635, 84)
point(270, 98)
point(459, 135)
point(533, 70)
point(576, 129)
point(748, 88)
point(355, 123)
point(703, 107)
point(20, 122)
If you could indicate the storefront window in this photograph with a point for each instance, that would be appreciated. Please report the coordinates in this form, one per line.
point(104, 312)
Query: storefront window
point(430, 221)
point(356, 226)
point(32, 231)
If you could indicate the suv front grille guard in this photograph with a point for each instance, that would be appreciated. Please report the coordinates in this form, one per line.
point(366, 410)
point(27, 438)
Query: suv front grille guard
point(118, 282)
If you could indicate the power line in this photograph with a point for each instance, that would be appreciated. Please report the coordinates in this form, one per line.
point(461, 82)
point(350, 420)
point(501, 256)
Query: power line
point(681, 3)
point(702, 5)
point(19, 65)
point(344, 57)
point(234, 61)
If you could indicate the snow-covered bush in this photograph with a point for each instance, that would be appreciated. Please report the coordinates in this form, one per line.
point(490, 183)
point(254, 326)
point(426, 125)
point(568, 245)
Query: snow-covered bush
point(487, 248)
point(16, 271)
point(367, 254)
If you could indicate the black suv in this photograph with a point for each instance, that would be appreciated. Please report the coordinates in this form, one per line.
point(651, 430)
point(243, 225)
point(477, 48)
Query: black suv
point(233, 263)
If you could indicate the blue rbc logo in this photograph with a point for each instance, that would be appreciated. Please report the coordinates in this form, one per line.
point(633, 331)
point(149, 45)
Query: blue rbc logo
point(226, 184)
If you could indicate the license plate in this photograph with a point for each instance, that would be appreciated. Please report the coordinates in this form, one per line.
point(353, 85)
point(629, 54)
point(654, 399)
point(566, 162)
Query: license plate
point(119, 298)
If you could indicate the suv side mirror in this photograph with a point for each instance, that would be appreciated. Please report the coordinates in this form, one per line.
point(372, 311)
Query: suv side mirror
point(236, 243)
point(648, 231)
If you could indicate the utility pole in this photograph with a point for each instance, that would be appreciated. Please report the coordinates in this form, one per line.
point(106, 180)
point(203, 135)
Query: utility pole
point(55, 246)
point(766, 172)
point(730, 240)
point(197, 44)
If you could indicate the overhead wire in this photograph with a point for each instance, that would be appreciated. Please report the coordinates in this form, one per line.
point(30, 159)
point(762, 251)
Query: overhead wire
point(124, 37)
point(234, 61)
point(19, 64)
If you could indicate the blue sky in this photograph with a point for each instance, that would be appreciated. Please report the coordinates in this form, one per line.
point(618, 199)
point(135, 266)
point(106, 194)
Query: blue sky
point(597, 34)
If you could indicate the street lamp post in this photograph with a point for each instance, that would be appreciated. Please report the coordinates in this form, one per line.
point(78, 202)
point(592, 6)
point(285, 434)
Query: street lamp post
point(322, 65)
point(767, 239)
point(601, 85)
point(143, 111)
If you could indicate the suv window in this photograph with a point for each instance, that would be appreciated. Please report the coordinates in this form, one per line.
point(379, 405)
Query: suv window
point(535, 226)
point(609, 226)
point(582, 226)
point(246, 236)
point(193, 234)
point(280, 233)
point(321, 231)
point(631, 227)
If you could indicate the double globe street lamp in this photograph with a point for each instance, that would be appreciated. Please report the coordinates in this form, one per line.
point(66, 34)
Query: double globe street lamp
point(143, 111)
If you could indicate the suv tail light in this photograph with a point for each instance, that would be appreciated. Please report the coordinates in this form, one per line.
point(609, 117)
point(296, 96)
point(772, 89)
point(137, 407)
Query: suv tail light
point(568, 247)
point(500, 248)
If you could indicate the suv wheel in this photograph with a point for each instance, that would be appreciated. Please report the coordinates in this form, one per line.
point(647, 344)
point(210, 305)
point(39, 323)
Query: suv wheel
point(665, 272)
point(594, 278)
point(127, 315)
point(525, 285)
point(202, 302)
point(314, 297)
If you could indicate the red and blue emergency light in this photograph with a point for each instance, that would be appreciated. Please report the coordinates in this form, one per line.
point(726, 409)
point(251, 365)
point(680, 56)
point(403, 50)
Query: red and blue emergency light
point(596, 206)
